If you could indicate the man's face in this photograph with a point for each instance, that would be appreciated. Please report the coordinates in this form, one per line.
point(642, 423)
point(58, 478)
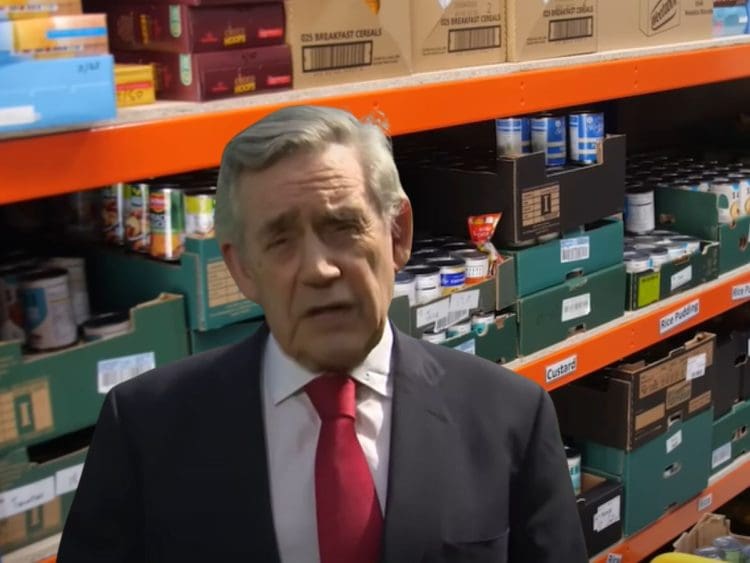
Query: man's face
point(319, 257)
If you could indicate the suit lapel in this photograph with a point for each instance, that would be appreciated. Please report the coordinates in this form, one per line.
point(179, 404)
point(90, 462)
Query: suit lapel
point(419, 424)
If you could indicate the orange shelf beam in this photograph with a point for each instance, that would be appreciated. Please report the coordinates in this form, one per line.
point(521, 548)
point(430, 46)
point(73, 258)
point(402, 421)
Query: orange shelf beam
point(636, 331)
point(61, 163)
point(638, 547)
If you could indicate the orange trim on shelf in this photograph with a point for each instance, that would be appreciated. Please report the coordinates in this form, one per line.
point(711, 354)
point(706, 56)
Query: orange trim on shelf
point(634, 332)
point(638, 547)
point(64, 162)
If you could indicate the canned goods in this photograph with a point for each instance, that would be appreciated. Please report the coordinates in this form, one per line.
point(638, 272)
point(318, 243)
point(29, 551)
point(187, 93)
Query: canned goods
point(199, 213)
point(452, 247)
point(452, 273)
point(436, 337)
point(745, 194)
point(405, 284)
point(79, 293)
point(692, 245)
point(728, 200)
point(137, 222)
point(427, 279)
point(481, 321)
point(731, 547)
point(513, 135)
point(83, 213)
point(12, 325)
point(586, 131)
point(459, 329)
point(430, 253)
point(113, 213)
point(637, 262)
point(548, 135)
point(676, 250)
point(105, 325)
point(659, 256)
point(166, 215)
point(574, 467)
point(743, 184)
point(477, 266)
point(48, 309)
point(710, 553)
point(639, 210)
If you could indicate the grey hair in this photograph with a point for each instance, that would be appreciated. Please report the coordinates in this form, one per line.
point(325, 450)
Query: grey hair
point(292, 130)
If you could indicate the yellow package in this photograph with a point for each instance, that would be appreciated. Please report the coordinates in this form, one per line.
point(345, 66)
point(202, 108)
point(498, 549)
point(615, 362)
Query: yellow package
point(134, 85)
point(60, 36)
point(23, 9)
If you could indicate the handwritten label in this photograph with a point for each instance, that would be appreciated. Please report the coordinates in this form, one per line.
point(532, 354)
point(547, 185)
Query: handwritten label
point(560, 369)
point(465, 300)
point(607, 514)
point(66, 480)
point(576, 307)
point(27, 497)
point(117, 370)
point(705, 502)
point(696, 367)
point(681, 278)
point(574, 249)
point(741, 292)
point(721, 455)
point(680, 316)
point(430, 314)
point(674, 441)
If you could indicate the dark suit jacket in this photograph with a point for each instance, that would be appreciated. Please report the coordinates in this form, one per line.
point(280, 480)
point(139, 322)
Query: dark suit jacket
point(177, 470)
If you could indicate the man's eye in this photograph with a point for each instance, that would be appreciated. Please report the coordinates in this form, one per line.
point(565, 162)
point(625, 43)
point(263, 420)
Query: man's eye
point(277, 242)
point(348, 227)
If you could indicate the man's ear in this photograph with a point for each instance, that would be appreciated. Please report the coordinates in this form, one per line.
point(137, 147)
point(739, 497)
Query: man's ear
point(240, 270)
point(402, 226)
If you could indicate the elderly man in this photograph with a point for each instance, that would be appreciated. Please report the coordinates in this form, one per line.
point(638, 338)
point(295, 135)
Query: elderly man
point(328, 436)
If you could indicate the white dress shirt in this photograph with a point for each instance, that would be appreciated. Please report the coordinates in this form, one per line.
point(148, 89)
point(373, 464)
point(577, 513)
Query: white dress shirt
point(292, 428)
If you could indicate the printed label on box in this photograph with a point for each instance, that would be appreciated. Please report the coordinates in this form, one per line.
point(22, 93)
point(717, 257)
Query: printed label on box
point(27, 497)
point(681, 278)
point(465, 301)
point(721, 455)
point(575, 249)
point(678, 394)
point(680, 316)
point(66, 480)
point(560, 369)
point(649, 289)
point(607, 514)
point(741, 292)
point(430, 314)
point(705, 502)
point(696, 367)
point(539, 210)
point(614, 558)
point(674, 441)
point(576, 307)
point(117, 370)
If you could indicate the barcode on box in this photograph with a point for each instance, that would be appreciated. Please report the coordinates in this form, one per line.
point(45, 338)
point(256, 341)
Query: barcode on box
point(450, 319)
point(473, 38)
point(574, 28)
point(336, 56)
point(117, 370)
point(576, 307)
point(574, 249)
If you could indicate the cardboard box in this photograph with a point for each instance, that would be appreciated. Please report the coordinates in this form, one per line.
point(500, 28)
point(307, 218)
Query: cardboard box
point(186, 29)
point(56, 93)
point(659, 475)
point(211, 76)
point(552, 315)
point(708, 528)
point(449, 186)
point(47, 395)
point(731, 436)
point(644, 23)
point(135, 85)
point(340, 41)
point(595, 247)
point(631, 404)
point(645, 288)
point(202, 341)
point(499, 344)
point(458, 35)
point(55, 36)
point(22, 9)
point(543, 29)
point(600, 509)
point(35, 497)
point(43, 551)
point(119, 279)
point(731, 359)
point(697, 214)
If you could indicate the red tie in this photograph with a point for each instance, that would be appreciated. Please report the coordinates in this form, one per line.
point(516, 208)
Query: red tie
point(350, 523)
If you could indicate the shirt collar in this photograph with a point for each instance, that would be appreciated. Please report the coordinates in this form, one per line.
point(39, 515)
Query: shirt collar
point(286, 377)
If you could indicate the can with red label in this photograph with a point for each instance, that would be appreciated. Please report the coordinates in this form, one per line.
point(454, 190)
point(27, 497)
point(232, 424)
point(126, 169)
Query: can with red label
point(167, 216)
point(137, 224)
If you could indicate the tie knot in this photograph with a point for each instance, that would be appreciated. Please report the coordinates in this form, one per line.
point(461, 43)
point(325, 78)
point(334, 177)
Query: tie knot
point(333, 396)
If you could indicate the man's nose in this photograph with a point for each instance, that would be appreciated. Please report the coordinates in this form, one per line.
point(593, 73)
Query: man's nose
point(318, 265)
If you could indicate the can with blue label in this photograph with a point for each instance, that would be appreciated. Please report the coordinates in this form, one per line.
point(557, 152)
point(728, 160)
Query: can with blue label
point(586, 131)
point(548, 135)
point(513, 136)
point(452, 273)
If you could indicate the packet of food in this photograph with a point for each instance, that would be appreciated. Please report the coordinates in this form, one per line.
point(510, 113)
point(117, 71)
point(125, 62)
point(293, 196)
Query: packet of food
point(481, 230)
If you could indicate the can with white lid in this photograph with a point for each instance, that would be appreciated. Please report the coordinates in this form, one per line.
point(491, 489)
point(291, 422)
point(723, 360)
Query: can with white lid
point(637, 262)
point(659, 256)
point(427, 280)
point(639, 210)
point(106, 325)
point(48, 309)
point(452, 273)
point(405, 284)
point(676, 250)
point(79, 292)
point(459, 329)
point(728, 200)
point(436, 337)
point(477, 266)
point(692, 244)
point(481, 321)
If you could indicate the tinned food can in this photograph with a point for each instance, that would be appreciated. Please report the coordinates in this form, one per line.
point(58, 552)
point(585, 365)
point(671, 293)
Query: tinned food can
point(728, 200)
point(48, 309)
point(79, 293)
point(167, 217)
point(137, 221)
point(586, 133)
point(513, 136)
point(12, 324)
point(200, 208)
point(113, 213)
point(549, 135)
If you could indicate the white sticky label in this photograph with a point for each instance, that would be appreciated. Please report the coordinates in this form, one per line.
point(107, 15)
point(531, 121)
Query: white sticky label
point(576, 307)
point(721, 455)
point(66, 480)
point(682, 277)
point(614, 558)
point(674, 441)
point(470, 347)
point(27, 497)
point(465, 301)
point(705, 502)
point(433, 312)
point(741, 292)
point(696, 367)
point(117, 370)
point(17, 115)
point(560, 369)
point(748, 346)
point(607, 514)
point(574, 249)
point(680, 316)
